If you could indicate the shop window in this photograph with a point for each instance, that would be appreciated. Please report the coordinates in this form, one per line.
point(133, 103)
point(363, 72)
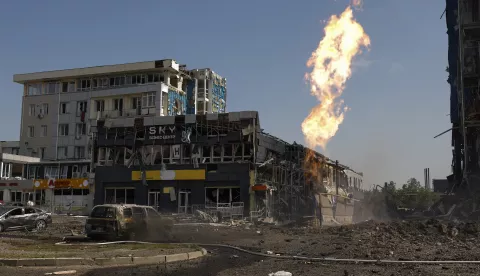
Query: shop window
point(215, 196)
point(16, 196)
point(39, 197)
point(120, 195)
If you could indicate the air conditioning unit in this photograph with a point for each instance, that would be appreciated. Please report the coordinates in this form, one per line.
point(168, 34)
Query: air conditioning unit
point(85, 175)
point(76, 175)
point(40, 115)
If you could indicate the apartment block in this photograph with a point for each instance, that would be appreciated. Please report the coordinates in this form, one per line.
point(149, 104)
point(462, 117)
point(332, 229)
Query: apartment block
point(59, 107)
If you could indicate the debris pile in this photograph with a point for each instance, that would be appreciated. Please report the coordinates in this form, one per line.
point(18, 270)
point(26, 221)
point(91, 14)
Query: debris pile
point(426, 230)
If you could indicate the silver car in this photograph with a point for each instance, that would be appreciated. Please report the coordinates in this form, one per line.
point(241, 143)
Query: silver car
point(17, 218)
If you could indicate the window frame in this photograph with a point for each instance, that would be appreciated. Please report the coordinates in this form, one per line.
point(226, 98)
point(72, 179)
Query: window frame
point(43, 131)
point(31, 131)
point(63, 129)
point(63, 110)
point(80, 129)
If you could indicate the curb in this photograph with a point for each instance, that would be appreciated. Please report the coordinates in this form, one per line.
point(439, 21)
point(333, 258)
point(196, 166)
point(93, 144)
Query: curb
point(159, 259)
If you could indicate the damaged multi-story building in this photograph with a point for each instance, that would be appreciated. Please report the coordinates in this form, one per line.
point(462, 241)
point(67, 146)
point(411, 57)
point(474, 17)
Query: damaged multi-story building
point(463, 29)
point(157, 133)
point(59, 107)
point(215, 162)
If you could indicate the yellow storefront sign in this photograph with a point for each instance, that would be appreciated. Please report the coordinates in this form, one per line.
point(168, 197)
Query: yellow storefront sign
point(170, 175)
point(73, 183)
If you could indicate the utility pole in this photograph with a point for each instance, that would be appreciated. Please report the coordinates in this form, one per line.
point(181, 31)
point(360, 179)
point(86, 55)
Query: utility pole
point(336, 177)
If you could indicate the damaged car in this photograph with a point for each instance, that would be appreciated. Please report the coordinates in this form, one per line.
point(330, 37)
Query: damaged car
point(18, 218)
point(127, 221)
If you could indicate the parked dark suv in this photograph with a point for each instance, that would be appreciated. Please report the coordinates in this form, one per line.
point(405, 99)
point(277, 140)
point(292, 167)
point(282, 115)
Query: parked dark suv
point(17, 218)
point(113, 221)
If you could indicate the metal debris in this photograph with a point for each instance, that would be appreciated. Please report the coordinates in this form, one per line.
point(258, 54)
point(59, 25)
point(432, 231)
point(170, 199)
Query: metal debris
point(65, 272)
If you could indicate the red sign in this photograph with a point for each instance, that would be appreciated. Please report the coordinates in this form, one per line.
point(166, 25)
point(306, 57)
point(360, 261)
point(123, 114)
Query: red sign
point(62, 183)
point(8, 184)
point(51, 184)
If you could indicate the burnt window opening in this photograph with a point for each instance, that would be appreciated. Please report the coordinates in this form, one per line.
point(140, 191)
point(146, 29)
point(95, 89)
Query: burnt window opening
point(227, 153)
point(239, 150)
point(206, 154)
point(166, 154)
point(217, 153)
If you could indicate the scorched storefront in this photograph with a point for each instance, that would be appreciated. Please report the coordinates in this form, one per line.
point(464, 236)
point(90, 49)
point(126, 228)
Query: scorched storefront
point(176, 188)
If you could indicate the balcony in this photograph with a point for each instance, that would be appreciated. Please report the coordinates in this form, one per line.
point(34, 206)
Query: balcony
point(124, 113)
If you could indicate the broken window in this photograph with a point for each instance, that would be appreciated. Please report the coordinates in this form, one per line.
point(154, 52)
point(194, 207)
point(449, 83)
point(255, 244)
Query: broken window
point(206, 154)
point(166, 154)
point(217, 153)
point(187, 153)
point(227, 153)
point(247, 151)
point(157, 154)
point(215, 196)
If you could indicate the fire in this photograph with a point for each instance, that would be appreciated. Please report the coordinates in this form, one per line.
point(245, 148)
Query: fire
point(331, 63)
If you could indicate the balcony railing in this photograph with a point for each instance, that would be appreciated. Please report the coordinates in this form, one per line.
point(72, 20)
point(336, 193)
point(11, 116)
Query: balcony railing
point(125, 113)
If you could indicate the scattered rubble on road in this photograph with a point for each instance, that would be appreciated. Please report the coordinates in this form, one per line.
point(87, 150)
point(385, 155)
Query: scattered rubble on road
point(395, 240)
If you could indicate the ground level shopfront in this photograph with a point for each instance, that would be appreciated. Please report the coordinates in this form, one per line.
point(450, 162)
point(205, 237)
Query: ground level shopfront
point(178, 188)
point(69, 195)
point(19, 191)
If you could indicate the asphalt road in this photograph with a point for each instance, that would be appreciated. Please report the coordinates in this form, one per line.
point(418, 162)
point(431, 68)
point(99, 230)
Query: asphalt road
point(222, 262)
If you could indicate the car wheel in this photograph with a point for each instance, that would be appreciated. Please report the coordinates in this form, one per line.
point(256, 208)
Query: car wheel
point(2, 228)
point(40, 225)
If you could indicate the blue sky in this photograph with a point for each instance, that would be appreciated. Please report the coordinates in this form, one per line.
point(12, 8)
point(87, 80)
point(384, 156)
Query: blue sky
point(398, 94)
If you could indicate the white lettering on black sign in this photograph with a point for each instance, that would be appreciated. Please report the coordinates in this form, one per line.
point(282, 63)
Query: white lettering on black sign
point(161, 132)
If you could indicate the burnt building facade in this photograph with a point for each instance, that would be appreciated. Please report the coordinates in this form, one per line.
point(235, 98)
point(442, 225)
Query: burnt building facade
point(175, 163)
point(215, 162)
